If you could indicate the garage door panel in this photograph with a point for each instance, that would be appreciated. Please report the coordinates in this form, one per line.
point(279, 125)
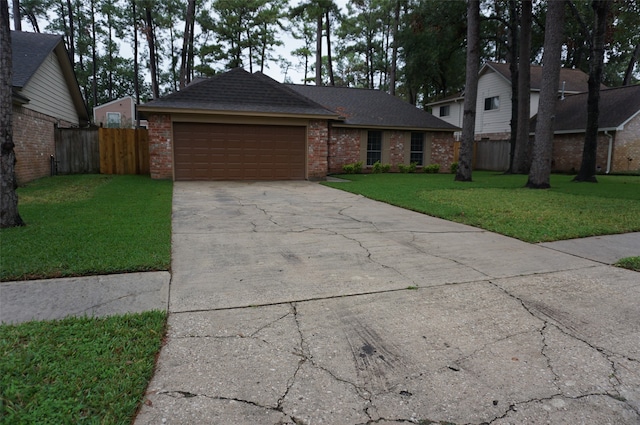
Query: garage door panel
point(239, 152)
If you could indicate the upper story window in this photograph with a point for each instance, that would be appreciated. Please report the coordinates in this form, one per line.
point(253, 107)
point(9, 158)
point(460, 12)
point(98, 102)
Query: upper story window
point(445, 111)
point(374, 147)
point(113, 119)
point(491, 103)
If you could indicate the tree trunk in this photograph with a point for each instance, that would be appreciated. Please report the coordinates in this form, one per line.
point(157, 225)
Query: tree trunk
point(632, 64)
point(588, 166)
point(513, 54)
point(186, 44)
point(332, 81)
point(319, 50)
point(539, 175)
point(94, 56)
point(17, 19)
point(151, 39)
point(471, 92)
point(72, 43)
point(9, 215)
point(394, 51)
point(522, 151)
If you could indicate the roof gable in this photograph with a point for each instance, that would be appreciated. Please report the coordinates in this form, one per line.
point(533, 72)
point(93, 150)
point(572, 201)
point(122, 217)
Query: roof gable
point(372, 108)
point(617, 106)
point(29, 51)
point(239, 91)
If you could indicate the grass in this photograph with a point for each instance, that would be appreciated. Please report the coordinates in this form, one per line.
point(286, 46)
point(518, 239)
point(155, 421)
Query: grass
point(89, 224)
point(631, 263)
point(500, 203)
point(77, 370)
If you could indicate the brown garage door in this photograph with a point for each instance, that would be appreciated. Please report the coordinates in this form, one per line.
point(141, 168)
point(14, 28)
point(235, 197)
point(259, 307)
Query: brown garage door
point(238, 152)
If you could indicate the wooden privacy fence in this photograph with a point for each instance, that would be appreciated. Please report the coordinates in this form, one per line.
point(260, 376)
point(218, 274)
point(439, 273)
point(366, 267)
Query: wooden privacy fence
point(124, 151)
point(77, 151)
point(492, 155)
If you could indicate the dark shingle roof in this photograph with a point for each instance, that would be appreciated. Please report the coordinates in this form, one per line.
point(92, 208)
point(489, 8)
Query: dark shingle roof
point(575, 81)
point(29, 50)
point(617, 106)
point(373, 108)
point(240, 91)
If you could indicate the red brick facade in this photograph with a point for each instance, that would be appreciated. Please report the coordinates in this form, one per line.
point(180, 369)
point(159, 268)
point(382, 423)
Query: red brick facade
point(344, 148)
point(442, 150)
point(160, 146)
point(567, 152)
point(317, 149)
point(34, 138)
point(398, 141)
point(626, 155)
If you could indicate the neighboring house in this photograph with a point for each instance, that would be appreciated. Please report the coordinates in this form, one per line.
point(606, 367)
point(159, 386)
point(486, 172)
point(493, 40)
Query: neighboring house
point(46, 96)
point(493, 107)
point(618, 131)
point(119, 113)
point(242, 126)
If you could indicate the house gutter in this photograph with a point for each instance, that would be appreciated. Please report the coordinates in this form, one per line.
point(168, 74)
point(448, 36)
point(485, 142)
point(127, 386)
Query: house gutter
point(609, 151)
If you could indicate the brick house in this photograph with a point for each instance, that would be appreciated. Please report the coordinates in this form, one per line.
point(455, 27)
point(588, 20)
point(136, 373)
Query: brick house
point(242, 126)
point(46, 96)
point(618, 131)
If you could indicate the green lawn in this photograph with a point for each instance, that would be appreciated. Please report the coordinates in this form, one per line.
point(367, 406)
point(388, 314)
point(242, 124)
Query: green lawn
point(631, 263)
point(89, 224)
point(77, 370)
point(500, 203)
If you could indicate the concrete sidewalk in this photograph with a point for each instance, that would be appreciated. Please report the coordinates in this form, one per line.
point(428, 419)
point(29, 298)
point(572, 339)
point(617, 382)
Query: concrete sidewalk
point(294, 303)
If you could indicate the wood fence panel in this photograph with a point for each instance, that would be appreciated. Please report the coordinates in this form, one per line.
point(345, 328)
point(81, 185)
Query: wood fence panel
point(77, 151)
point(491, 155)
point(124, 151)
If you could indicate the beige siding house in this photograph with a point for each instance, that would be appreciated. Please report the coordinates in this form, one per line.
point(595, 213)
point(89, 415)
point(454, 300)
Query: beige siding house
point(119, 113)
point(46, 96)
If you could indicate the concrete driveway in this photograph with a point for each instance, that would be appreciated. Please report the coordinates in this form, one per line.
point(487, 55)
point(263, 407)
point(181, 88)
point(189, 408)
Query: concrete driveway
point(294, 303)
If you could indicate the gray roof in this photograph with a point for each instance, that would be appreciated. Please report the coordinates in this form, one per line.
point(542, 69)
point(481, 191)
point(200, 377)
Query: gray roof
point(617, 106)
point(239, 91)
point(575, 81)
point(29, 50)
point(372, 108)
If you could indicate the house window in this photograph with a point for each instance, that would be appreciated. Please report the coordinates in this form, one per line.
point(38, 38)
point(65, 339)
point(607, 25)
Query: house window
point(374, 147)
point(445, 111)
point(417, 148)
point(113, 119)
point(491, 103)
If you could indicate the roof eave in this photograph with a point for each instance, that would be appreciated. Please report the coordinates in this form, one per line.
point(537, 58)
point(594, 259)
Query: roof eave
point(391, 127)
point(174, 110)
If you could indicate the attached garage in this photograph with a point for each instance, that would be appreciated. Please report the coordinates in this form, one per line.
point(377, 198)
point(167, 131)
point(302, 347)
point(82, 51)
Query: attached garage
point(239, 152)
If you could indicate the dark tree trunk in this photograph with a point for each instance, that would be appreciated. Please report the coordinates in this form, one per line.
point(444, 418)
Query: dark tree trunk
point(72, 43)
point(632, 63)
point(470, 92)
point(9, 215)
point(153, 63)
point(513, 68)
point(17, 19)
point(522, 152)
point(540, 173)
point(587, 171)
point(394, 52)
point(186, 41)
point(94, 56)
point(332, 81)
point(319, 50)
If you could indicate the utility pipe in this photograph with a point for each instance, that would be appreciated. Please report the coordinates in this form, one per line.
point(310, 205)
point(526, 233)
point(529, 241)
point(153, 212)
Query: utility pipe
point(609, 151)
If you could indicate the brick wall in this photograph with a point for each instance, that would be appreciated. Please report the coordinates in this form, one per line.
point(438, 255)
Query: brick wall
point(34, 139)
point(160, 146)
point(567, 152)
point(344, 148)
point(627, 145)
point(397, 147)
point(317, 149)
point(442, 150)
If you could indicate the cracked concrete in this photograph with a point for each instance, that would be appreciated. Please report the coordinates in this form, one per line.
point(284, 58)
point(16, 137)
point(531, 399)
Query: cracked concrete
point(51, 299)
point(292, 303)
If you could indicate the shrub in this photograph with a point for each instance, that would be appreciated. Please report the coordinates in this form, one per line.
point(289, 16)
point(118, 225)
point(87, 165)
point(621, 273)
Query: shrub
point(355, 168)
point(378, 168)
point(431, 168)
point(411, 168)
point(454, 167)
